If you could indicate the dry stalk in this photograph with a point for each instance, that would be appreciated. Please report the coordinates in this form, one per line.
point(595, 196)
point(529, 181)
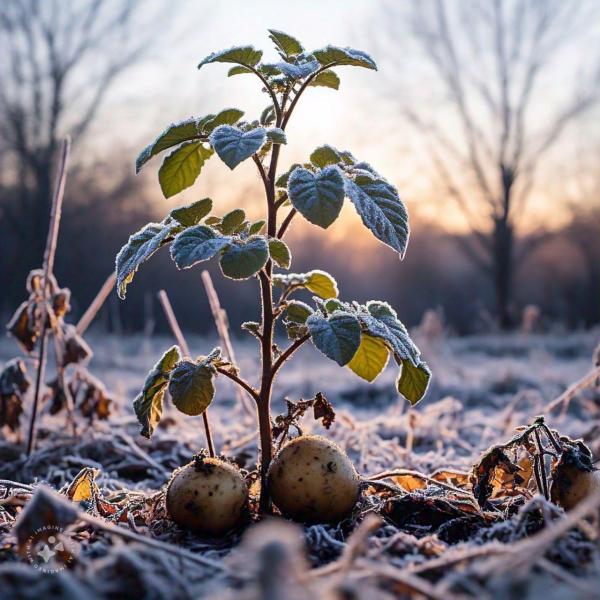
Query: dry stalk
point(92, 310)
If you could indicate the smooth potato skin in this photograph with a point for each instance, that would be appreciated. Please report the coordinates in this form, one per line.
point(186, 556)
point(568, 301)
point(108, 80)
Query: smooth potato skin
point(209, 499)
point(313, 481)
point(572, 485)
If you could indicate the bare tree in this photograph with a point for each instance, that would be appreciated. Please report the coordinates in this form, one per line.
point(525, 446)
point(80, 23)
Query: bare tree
point(59, 62)
point(492, 61)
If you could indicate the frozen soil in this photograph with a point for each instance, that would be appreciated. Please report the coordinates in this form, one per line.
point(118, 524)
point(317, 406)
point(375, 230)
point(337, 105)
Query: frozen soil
point(483, 388)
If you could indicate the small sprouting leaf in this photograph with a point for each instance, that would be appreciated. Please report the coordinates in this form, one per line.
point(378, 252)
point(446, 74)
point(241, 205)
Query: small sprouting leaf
point(181, 168)
point(244, 258)
point(267, 116)
point(324, 156)
point(256, 227)
point(413, 380)
point(195, 245)
point(333, 55)
point(213, 221)
point(173, 135)
point(280, 253)
point(337, 337)
point(276, 135)
point(322, 284)
point(238, 70)
point(234, 145)
point(381, 210)
point(191, 387)
point(299, 70)
point(297, 311)
point(229, 116)
point(334, 304)
point(370, 358)
point(326, 78)
point(149, 403)
point(286, 44)
point(282, 180)
point(318, 198)
point(139, 248)
point(242, 55)
point(232, 220)
point(251, 327)
point(192, 214)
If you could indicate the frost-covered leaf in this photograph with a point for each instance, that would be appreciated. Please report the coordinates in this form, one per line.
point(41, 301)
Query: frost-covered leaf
point(174, 134)
point(297, 311)
point(181, 168)
point(334, 55)
point(381, 210)
point(413, 380)
point(229, 116)
point(267, 116)
point(370, 358)
point(276, 135)
point(286, 44)
point(251, 327)
point(382, 321)
point(242, 55)
point(283, 179)
point(326, 78)
point(280, 253)
point(299, 70)
point(324, 156)
point(337, 337)
point(191, 387)
point(244, 258)
point(256, 227)
point(318, 198)
point(232, 220)
point(238, 70)
point(148, 405)
point(139, 248)
point(192, 214)
point(234, 145)
point(196, 244)
point(318, 282)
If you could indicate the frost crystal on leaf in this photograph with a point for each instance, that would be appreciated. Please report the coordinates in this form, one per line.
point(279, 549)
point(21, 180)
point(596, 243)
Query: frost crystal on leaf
point(234, 145)
point(197, 244)
point(334, 55)
point(241, 55)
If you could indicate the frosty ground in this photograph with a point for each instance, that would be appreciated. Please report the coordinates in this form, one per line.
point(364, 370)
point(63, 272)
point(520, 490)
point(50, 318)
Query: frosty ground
point(483, 388)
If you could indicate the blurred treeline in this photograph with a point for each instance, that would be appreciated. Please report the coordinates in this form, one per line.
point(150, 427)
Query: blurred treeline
point(42, 55)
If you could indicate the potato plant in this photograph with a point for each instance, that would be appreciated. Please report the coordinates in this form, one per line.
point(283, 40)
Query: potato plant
point(361, 337)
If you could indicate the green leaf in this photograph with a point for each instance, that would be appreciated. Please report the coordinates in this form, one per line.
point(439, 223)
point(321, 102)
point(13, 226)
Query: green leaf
point(256, 227)
point(229, 116)
point(299, 69)
point(413, 381)
point(234, 145)
point(325, 155)
point(334, 304)
point(326, 78)
point(337, 337)
point(181, 168)
point(232, 220)
point(238, 70)
point(267, 116)
point(282, 180)
point(138, 249)
point(322, 284)
point(286, 44)
point(297, 311)
point(334, 55)
point(192, 214)
point(382, 321)
point(148, 404)
point(244, 258)
point(191, 387)
point(213, 221)
point(197, 244)
point(318, 198)
point(370, 358)
point(242, 55)
point(380, 208)
point(280, 253)
point(276, 135)
point(173, 135)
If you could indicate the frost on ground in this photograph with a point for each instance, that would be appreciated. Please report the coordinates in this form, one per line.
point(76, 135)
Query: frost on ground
point(483, 388)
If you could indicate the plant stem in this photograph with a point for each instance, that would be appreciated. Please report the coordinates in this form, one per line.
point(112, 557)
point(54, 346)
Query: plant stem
point(49, 254)
point(96, 305)
point(178, 334)
point(286, 223)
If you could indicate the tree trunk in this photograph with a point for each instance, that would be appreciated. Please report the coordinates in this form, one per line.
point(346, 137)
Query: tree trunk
point(502, 270)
